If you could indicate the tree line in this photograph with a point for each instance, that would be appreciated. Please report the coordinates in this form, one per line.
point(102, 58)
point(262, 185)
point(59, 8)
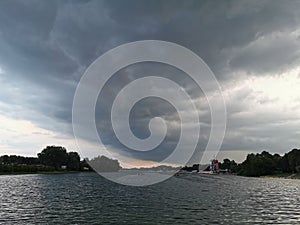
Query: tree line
point(56, 158)
point(264, 163)
point(51, 158)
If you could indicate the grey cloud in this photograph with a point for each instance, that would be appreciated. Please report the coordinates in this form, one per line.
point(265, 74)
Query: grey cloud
point(47, 45)
point(274, 53)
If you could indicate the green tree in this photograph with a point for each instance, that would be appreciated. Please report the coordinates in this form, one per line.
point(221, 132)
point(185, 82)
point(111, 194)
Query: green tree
point(293, 160)
point(104, 164)
point(73, 162)
point(258, 165)
point(5, 159)
point(230, 165)
point(284, 164)
point(54, 156)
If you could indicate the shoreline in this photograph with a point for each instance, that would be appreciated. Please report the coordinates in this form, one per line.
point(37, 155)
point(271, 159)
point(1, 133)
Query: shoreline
point(292, 176)
point(44, 172)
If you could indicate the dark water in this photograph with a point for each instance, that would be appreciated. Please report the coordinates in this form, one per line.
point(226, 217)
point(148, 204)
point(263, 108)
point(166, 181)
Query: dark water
point(90, 199)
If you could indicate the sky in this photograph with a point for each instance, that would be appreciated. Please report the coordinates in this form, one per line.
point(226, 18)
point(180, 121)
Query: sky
point(252, 47)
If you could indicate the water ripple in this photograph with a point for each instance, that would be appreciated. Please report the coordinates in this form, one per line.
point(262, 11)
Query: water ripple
point(88, 199)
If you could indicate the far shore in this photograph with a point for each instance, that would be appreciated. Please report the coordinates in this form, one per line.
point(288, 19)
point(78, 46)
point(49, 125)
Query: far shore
point(291, 176)
point(44, 172)
point(284, 176)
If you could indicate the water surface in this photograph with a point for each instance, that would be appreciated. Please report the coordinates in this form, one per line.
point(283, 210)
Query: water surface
point(86, 198)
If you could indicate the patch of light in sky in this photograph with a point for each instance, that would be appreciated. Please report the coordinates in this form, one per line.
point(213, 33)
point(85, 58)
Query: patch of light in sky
point(270, 91)
point(283, 88)
point(1, 70)
point(24, 137)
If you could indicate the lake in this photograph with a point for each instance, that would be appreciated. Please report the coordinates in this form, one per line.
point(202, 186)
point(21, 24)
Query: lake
point(87, 198)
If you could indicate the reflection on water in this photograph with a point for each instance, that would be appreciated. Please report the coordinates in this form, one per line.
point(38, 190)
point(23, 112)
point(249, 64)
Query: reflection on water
point(88, 199)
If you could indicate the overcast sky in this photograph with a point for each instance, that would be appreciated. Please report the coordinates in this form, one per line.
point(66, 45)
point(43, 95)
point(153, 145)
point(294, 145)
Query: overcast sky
point(253, 48)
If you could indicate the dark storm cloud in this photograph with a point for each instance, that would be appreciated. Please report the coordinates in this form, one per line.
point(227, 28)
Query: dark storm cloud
point(269, 54)
point(146, 109)
point(26, 46)
point(61, 36)
point(213, 30)
point(47, 45)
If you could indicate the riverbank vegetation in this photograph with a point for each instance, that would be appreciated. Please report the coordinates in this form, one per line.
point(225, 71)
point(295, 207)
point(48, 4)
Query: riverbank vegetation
point(56, 159)
point(52, 159)
point(260, 164)
point(264, 164)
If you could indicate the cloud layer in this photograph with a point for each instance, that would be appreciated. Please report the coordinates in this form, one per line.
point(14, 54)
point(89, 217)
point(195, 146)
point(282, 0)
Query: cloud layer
point(253, 47)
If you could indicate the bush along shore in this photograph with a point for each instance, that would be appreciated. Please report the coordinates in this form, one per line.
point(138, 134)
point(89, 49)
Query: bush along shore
point(274, 165)
point(262, 164)
point(56, 160)
point(51, 160)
